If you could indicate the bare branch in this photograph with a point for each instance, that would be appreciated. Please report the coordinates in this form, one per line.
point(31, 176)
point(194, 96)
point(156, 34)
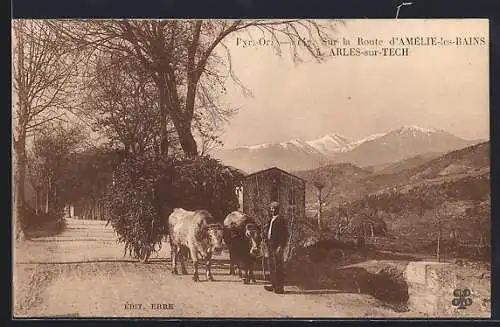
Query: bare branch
point(33, 126)
point(180, 56)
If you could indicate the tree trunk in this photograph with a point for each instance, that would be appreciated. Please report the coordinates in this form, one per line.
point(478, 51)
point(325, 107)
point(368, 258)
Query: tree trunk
point(289, 245)
point(55, 200)
point(47, 195)
point(320, 209)
point(163, 115)
point(37, 201)
point(187, 140)
point(20, 176)
point(181, 120)
point(438, 250)
point(20, 143)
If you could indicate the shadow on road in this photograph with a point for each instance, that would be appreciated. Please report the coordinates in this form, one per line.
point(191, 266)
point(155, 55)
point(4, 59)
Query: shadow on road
point(314, 292)
point(348, 274)
point(75, 262)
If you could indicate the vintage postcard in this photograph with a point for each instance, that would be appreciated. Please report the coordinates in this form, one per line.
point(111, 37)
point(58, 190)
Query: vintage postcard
point(251, 168)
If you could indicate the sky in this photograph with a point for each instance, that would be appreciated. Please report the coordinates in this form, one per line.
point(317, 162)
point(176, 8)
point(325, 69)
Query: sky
point(437, 87)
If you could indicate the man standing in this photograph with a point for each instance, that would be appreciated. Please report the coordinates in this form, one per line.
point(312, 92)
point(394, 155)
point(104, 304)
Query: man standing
point(277, 238)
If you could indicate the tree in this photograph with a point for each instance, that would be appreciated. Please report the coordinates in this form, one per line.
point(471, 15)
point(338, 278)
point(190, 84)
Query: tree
point(85, 177)
point(123, 105)
point(445, 214)
point(424, 199)
point(181, 59)
point(208, 133)
point(324, 187)
point(344, 224)
point(35, 174)
point(52, 148)
point(481, 217)
point(42, 71)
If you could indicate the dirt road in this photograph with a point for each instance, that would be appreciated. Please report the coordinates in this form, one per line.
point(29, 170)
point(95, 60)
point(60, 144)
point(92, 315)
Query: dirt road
point(82, 272)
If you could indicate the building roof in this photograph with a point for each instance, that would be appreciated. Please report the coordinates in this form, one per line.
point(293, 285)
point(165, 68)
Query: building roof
point(274, 168)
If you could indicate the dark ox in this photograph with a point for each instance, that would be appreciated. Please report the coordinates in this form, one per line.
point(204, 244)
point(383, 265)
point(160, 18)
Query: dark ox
point(193, 232)
point(243, 238)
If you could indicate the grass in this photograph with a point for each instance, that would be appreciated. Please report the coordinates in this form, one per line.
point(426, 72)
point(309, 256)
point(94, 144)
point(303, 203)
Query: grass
point(46, 228)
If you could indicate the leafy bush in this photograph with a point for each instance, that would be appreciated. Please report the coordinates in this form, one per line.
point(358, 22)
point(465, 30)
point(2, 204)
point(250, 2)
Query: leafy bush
point(146, 189)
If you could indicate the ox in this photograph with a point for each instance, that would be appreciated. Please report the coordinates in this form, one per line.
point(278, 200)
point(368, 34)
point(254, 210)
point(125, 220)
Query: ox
point(243, 238)
point(195, 233)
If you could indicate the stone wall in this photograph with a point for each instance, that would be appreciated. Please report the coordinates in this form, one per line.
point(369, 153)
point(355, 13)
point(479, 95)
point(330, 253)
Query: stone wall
point(431, 288)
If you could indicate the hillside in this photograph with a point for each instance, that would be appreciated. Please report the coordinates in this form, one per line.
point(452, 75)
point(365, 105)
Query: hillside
point(342, 182)
point(405, 164)
point(451, 193)
point(350, 182)
point(464, 161)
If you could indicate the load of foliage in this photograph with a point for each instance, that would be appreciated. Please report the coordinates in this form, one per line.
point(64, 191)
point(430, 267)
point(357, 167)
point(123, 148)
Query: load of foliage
point(201, 183)
point(147, 188)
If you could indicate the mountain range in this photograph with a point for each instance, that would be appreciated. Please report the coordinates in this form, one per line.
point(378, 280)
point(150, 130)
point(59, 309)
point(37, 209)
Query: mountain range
point(377, 150)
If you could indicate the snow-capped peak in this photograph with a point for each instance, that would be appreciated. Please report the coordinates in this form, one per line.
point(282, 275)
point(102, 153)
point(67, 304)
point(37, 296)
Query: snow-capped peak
point(294, 143)
point(331, 137)
point(329, 143)
point(334, 143)
point(405, 129)
point(257, 146)
point(414, 128)
point(366, 139)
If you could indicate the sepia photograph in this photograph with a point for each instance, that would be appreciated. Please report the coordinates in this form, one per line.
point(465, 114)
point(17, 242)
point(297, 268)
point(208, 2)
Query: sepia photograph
point(264, 168)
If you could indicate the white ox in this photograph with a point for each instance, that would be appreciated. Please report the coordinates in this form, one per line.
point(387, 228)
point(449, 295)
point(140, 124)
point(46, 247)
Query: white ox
point(194, 232)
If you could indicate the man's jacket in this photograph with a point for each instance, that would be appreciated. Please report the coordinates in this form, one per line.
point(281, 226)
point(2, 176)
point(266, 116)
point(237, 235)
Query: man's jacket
point(279, 232)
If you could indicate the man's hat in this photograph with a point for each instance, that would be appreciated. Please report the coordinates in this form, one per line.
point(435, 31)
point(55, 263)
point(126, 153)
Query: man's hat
point(274, 204)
